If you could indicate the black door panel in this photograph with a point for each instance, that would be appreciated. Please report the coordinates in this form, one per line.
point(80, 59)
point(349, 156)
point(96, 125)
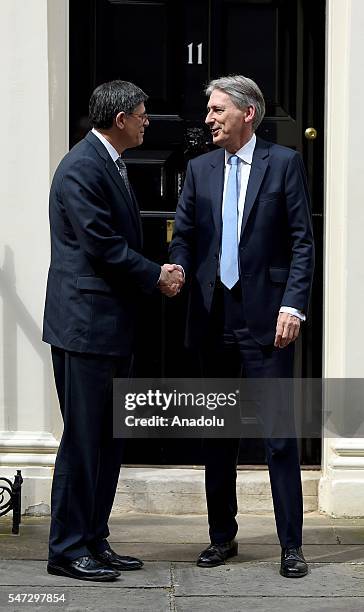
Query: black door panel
point(172, 48)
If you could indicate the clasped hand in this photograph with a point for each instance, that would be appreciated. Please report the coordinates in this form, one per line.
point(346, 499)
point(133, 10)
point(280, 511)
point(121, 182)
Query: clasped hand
point(171, 279)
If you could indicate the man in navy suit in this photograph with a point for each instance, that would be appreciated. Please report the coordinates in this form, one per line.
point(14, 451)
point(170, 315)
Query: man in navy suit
point(96, 277)
point(243, 236)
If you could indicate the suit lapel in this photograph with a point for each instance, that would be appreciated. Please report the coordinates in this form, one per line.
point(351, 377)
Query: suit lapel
point(216, 183)
point(113, 171)
point(138, 216)
point(257, 172)
point(118, 181)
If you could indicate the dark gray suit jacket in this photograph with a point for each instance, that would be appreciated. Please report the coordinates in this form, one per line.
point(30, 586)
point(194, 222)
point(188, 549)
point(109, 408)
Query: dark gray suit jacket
point(276, 250)
point(97, 272)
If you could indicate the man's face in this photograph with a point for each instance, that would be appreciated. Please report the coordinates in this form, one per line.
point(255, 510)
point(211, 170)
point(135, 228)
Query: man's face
point(135, 124)
point(227, 123)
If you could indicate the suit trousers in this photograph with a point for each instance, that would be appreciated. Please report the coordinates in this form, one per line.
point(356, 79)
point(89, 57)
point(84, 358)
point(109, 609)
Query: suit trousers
point(230, 351)
point(89, 458)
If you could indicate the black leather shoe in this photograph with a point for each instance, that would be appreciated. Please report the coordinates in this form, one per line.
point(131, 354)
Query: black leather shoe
point(216, 554)
point(83, 568)
point(112, 559)
point(293, 564)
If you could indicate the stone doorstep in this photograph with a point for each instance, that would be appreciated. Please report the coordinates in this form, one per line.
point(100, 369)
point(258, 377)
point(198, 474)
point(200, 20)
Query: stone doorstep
point(182, 491)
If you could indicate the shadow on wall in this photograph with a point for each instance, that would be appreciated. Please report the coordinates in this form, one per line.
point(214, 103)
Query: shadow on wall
point(15, 317)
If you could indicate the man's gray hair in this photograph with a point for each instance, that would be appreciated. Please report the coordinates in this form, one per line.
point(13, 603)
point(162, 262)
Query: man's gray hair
point(243, 92)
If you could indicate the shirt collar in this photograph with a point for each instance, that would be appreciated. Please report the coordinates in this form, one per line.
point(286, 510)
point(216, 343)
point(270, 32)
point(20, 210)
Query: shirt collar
point(246, 152)
point(110, 149)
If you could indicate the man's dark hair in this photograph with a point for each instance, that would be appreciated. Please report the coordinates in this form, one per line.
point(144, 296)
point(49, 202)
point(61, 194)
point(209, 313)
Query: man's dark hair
point(109, 99)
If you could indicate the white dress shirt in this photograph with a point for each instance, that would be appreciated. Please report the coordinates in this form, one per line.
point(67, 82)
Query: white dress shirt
point(110, 149)
point(246, 156)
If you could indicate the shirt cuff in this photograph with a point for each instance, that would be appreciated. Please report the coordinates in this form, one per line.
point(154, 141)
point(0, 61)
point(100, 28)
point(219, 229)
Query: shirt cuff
point(160, 274)
point(293, 311)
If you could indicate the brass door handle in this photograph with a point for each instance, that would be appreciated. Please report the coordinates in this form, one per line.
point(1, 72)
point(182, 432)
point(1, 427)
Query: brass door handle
point(169, 230)
point(310, 133)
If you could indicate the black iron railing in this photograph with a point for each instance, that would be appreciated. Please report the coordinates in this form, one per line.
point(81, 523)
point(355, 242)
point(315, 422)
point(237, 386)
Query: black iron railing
point(10, 499)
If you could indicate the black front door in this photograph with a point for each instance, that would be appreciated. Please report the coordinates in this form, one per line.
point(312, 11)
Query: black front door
point(171, 49)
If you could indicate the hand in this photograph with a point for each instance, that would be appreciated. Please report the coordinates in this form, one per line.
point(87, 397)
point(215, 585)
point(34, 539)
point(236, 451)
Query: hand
point(171, 280)
point(287, 330)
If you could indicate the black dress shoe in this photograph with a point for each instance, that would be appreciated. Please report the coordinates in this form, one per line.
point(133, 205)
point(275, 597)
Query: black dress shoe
point(293, 564)
point(83, 568)
point(117, 562)
point(216, 554)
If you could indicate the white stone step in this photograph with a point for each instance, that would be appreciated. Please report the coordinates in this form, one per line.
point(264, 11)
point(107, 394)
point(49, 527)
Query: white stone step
point(182, 490)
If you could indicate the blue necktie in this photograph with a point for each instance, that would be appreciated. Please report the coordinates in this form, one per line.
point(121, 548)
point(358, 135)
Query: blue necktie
point(229, 267)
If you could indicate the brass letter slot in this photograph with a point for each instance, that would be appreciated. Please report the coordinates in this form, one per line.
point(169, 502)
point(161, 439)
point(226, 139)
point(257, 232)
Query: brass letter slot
point(169, 228)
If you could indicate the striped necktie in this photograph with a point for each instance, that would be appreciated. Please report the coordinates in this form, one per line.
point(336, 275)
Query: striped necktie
point(123, 173)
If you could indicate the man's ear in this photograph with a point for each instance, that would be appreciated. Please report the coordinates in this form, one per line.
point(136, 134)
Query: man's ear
point(120, 120)
point(249, 114)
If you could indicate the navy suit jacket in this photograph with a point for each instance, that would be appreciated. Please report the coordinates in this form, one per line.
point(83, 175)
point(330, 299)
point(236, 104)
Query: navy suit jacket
point(97, 270)
point(276, 250)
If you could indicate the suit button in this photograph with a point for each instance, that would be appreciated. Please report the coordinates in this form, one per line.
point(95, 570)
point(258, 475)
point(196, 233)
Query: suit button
point(211, 284)
point(216, 256)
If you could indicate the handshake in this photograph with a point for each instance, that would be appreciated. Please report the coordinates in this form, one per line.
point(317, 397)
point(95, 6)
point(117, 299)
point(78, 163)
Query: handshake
point(171, 279)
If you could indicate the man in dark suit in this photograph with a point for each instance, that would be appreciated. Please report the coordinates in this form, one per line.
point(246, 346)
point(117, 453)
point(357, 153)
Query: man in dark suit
point(96, 277)
point(243, 236)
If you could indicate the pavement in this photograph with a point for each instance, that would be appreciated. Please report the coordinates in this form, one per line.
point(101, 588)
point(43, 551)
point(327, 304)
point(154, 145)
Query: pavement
point(170, 580)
